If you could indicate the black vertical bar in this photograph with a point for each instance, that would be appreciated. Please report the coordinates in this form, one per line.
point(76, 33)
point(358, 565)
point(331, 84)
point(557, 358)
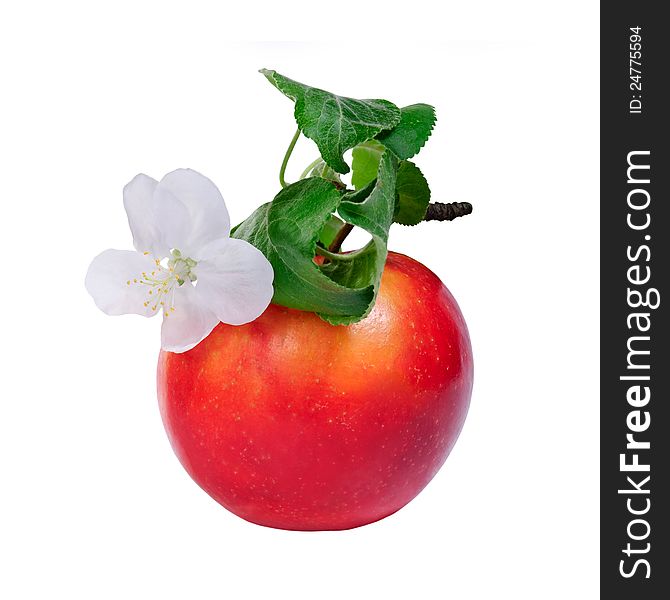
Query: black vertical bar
point(635, 268)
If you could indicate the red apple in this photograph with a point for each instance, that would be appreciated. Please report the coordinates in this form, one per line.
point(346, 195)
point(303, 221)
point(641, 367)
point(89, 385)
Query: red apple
point(293, 423)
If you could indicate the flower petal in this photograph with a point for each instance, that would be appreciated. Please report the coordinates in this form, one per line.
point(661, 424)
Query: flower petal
point(113, 282)
point(138, 200)
point(172, 220)
point(189, 323)
point(235, 283)
point(205, 218)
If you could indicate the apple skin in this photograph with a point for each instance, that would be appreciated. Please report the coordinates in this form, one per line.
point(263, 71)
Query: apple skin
point(292, 423)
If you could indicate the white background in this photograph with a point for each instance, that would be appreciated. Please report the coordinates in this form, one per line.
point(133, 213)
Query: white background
point(94, 504)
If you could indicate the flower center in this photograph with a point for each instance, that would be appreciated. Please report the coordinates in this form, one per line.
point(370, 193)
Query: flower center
point(164, 279)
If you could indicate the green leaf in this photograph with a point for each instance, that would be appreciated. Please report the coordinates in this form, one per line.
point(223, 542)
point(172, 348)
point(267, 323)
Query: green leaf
point(330, 230)
point(411, 133)
point(286, 231)
point(413, 194)
point(365, 163)
point(372, 209)
point(335, 123)
point(321, 169)
point(374, 213)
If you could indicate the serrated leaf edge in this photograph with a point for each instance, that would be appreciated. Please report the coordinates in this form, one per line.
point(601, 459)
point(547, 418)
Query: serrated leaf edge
point(430, 131)
point(270, 76)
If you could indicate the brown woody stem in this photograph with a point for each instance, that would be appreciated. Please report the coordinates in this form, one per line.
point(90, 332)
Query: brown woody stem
point(336, 244)
point(440, 211)
point(437, 211)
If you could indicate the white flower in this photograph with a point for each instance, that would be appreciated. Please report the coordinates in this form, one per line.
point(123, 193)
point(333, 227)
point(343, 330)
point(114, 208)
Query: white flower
point(186, 264)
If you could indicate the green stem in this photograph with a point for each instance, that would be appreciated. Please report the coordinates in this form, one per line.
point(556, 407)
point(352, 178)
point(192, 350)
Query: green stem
point(289, 151)
point(310, 166)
